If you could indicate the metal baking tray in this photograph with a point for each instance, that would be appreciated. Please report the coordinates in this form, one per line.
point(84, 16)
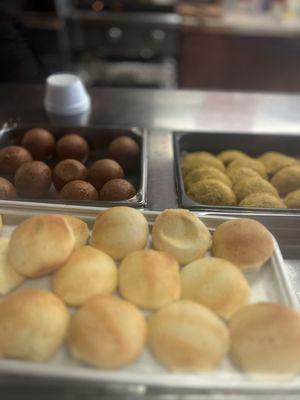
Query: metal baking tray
point(270, 283)
point(98, 138)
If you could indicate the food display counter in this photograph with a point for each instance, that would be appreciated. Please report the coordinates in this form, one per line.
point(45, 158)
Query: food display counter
point(161, 113)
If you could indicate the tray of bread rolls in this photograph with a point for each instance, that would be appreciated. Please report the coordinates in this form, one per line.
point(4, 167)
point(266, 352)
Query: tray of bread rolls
point(87, 166)
point(158, 299)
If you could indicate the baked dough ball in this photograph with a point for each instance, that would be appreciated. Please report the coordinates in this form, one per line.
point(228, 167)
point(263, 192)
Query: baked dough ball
point(186, 336)
point(287, 179)
point(199, 174)
point(9, 278)
point(120, 231)
point(292, 200)
point(262, 200)
point(40, 245)
point(182, 234)
point(80, 230)
point(248, 163)
point(227, 156)
point(244, 242)
point(88, 272)
point(107, 332)
point(265, 339)
point(149, 279)
point(200, 159)
point(249, 186)
point(33, 324)
point(239, 174)
point(216, 284)
point(212, 192)
point(274, 161)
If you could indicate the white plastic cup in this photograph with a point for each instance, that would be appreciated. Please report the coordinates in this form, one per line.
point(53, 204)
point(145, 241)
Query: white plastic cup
point(66, 95)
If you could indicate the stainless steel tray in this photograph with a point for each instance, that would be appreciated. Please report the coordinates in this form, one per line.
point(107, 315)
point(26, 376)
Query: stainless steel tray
point(271, 283)
point(98, 137)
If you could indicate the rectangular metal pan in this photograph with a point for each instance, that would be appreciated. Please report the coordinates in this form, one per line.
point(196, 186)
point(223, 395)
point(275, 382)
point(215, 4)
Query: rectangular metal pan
point(98, 138)
point(270, 283)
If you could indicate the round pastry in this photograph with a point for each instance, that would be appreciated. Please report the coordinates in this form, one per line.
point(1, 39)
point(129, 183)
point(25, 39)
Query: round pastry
point(72, 146)
point(227, 156)
point(215, 283)
point(253, 185)
point(103, 171)
point(117, 190)
point(80, 230)
point(11, 158)
point(248, 163)
point(125, 151)
point(244, 242)
point(149, 279)
point(78, 190)
point(40, 245)
point(274, 161)
point(68, 170)
point(202, 173)
point(212, 192)
point(9, 278)
point(292, 200)
point(33, 324)
point(120, 231)
point(199, 159)
point(239, 174)
point(7, 190)
point(117, 337)
point(39, 142)
point(287, 179)
point(33, 179)
point(265, 339)
point(87, 273)
point(185, 336)
point(262, 200)
point(182, 234)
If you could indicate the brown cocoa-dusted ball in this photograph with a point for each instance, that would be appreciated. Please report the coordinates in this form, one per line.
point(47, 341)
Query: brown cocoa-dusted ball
point(103, 171)
point(72, 146)
point(11, 157)
point(116, 190)
point(7, 190)
point(124, 150)
point(39, 142)
point(78, 190)
point(68, 170)
point(33, 179)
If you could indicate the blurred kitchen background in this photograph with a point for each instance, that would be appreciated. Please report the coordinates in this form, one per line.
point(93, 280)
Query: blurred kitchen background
point(251, 45)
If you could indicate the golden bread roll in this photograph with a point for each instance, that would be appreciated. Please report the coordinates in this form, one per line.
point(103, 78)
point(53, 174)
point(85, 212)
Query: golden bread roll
point(292, 200)
point(249, 186)
point(9, 278)
point(202, 173)
point(186, 336)
point(248, 163)
point(33, 324)
point(120, 231)
point(107, 332)
point(244, 242)
point(274, 161)
point(216, 284)
point(182, 234)
point(227, 156)
point(287, 179)
point(40, 245)
point(149, 279)
point(239, 174)
point(200, 159)
point(262, 200)
point(212, 192)
point(88, 272)
point(265, 339)
point(80, 230)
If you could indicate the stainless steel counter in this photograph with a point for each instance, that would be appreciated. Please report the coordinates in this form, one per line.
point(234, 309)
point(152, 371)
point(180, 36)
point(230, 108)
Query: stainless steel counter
point(161, 112)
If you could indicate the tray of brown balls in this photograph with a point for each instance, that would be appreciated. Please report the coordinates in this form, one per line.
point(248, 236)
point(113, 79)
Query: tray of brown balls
point(85, 166)
point(146, 298)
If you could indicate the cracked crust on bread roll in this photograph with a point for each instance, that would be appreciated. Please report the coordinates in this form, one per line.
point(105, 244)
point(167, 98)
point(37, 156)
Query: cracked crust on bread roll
point(244, 242)
point(9, 278)
point(80, 230)
point(40, 245)
point(186, 336)
point(33, 324)
point(107, 332)
point(149, 279)
point(182, 234)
